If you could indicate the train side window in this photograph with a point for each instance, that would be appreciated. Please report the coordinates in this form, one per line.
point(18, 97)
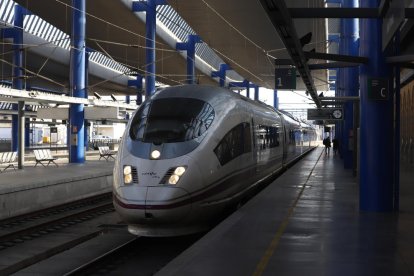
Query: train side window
point(236, 142)
point(268, 137)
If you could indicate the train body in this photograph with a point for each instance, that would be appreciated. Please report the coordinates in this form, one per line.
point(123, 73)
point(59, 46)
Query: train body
point(189, 152)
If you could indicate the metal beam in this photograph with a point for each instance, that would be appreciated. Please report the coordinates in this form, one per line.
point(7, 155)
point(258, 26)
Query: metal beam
point(283, 61)
point(342, 13)
point(335, 57)
point(333, 12)
point(332, 65)
point(345, 98)
point(278, 14)
point(400, 59)
point(35, 98)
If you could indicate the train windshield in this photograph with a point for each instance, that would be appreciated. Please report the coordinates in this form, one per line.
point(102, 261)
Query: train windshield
point(171, 120)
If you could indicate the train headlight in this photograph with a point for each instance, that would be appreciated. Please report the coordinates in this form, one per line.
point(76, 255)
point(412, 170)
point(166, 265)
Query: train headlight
point(176, 175)
point(127, 174)
point(155, 154)
point(128, 179)
point(127, 170)
point(179, 171)
point(173, 179)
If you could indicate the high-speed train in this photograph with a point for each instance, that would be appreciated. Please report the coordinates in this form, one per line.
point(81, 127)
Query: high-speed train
point(190, 152)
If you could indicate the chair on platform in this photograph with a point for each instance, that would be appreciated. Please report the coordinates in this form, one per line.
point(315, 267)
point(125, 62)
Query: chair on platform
point(8, 158)
point(106, 153)
point(44, 155)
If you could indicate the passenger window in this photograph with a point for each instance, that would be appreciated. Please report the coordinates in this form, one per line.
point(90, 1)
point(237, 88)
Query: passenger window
point(236, 142)
point(267, 137)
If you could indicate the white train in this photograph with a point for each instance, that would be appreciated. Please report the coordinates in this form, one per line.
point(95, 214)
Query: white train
point(190, 152)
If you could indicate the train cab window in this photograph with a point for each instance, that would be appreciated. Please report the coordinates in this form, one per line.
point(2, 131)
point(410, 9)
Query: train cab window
point(236, 142)
point(171, 120)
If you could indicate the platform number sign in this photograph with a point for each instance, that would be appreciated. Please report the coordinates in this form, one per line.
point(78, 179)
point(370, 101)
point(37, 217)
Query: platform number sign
point(285, 78)
point(378, 89)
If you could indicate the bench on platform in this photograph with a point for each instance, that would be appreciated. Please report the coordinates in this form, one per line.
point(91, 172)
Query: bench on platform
point(8, 158)
point(106, 153)
point(44, 155)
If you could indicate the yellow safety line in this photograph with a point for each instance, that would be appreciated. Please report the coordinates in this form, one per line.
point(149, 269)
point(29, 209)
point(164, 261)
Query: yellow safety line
point(275, 241)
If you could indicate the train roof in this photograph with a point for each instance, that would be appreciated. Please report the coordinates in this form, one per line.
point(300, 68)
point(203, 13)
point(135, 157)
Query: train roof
point(211, 94)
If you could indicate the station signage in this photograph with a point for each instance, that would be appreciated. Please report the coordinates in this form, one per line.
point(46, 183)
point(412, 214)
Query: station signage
point(285, 78)
point(378, 89)
point(326, 114)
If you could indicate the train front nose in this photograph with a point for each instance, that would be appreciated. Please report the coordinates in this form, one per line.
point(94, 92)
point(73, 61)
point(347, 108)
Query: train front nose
point(166, 205)
point(152, 204)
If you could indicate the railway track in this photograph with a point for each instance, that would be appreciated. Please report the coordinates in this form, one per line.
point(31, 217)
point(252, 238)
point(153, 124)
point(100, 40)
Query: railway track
point(138, 256)
point(13, 222)
point(35, 236)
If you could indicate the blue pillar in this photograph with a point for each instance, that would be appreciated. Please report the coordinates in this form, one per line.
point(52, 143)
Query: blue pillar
point(256, 92)
point(128, 101)
point(138, 84)
point(275, 99)
point(189, 46)
point(221, 74)
point(338, 125)
point(17, 82)
point(78, 82)
point(350, 41)
point(86, 128)
point(376, 130)
point(149, 7)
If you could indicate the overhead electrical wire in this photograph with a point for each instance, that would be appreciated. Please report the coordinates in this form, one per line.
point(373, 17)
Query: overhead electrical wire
point(109, 23)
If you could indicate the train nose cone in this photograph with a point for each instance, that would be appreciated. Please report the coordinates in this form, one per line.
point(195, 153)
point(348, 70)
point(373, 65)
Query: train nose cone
point(167, 204)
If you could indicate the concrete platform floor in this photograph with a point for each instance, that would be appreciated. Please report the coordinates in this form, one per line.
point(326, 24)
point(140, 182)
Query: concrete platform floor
point(33, 188)
point(307, 222)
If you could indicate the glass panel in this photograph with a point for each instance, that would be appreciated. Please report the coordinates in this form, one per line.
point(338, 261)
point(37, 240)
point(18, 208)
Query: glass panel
point(171, 120)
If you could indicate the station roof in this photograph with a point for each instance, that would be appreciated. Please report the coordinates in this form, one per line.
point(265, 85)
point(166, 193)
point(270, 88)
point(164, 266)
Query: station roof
point(239, 31)
point(245, 38)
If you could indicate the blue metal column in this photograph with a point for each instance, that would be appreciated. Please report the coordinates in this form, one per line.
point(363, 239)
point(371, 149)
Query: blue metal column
point(275, 99)
point(376, 135)
point(17, 66)
point(189, 46)
point(138, 84)
point(341, 88)
point(350, 39)
point(78, 84)
point(337, 124)
point(221, 74)
point(256, 92)
point(149, 7)
point(86, 127)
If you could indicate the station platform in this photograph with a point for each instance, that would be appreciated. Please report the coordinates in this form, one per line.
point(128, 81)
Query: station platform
point(306, 222)
point(35, 188)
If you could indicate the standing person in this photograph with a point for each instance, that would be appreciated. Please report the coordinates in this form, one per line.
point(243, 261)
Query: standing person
point(335, 143)
point(327, 143)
